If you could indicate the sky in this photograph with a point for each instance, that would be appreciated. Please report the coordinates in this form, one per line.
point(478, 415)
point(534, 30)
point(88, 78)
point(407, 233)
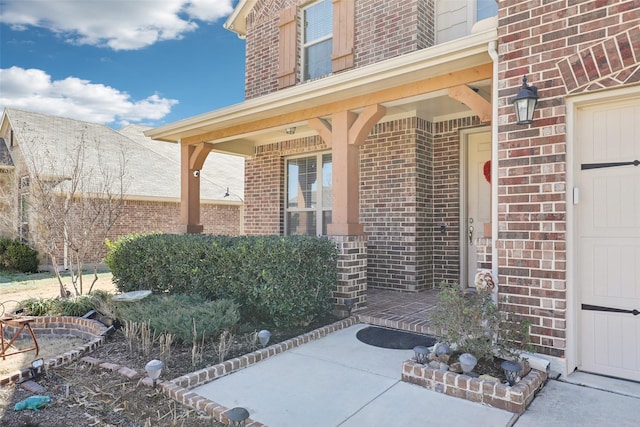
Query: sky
point(119, 62)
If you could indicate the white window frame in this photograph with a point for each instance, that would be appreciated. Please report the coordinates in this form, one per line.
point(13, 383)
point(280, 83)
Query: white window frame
point(306, 44)
point(320, 202)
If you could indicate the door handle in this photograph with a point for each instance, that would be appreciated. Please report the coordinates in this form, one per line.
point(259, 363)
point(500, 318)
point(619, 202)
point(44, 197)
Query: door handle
point(471, 235)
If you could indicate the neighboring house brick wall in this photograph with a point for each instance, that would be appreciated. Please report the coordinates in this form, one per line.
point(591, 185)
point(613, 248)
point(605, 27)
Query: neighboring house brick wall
point(383, 30)
point(563, 47)
point(155, 216)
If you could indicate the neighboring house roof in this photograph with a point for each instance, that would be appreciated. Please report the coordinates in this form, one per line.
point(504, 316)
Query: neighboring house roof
point(152, 169)
point(5, 156)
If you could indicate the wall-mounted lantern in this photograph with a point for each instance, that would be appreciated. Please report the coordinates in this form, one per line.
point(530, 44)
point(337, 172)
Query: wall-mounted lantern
point(525, 103)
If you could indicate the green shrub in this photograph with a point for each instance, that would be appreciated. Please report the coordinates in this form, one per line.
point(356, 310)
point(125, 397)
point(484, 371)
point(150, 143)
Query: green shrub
point(283, 281)
point(40, 306)
point(16, 256)
point(467, 319)
point(175, 314)
point(474, 323)
point(72, 306)
point(77, 305)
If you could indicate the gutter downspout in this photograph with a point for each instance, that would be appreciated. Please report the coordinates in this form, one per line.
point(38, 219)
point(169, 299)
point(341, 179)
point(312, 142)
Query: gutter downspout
point(494, 161)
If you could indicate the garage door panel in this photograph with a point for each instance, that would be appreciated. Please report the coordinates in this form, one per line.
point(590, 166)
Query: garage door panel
point(608, 237)
point(613, 351)
point(615, 204)
point(611, 271)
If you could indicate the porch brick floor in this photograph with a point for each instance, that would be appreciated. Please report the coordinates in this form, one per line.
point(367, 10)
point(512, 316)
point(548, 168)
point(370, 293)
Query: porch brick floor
point(399, 310)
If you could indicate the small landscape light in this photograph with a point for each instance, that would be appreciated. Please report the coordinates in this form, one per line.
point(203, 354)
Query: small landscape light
point(511, 370)
point(36, 367)
point(237, 417)
point(421, 354)
point(154, 368)
point(264, 336)
point(467, 362)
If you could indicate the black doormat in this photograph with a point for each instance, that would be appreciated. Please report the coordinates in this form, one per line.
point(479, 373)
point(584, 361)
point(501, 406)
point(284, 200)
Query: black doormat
point(393, 338)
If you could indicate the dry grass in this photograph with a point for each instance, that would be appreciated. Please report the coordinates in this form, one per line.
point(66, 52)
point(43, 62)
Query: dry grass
point(50, 347)
point(15, 288)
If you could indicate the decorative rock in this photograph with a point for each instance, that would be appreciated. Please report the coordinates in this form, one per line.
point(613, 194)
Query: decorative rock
point(486, 377)
point(444, 358)
point(444, 367)
point(455, 367)
point(441, 349)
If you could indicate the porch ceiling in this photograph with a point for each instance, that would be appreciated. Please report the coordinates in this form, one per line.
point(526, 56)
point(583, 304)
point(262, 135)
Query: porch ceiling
point(415, 83)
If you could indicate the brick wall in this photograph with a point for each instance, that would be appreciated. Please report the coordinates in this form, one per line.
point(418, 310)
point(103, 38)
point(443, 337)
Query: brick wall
point(149, 216)
point(384, 29)
point(395, 205)
point(563, 47)
point(409, 172)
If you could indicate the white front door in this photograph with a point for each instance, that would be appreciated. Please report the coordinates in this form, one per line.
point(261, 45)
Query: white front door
point(476, 224)
point(607, 147)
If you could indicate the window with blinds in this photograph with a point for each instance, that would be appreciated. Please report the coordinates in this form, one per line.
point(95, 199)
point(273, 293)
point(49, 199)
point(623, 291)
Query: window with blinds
point(317, 39)
point(308, 202)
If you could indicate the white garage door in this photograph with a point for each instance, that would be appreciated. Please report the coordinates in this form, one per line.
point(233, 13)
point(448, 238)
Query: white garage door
point(608, 212)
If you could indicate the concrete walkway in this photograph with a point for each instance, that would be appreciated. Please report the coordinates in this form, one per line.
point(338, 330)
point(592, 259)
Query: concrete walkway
point(340, 381)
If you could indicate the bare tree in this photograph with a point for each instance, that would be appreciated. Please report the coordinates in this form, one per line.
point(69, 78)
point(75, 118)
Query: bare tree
point(77, 193)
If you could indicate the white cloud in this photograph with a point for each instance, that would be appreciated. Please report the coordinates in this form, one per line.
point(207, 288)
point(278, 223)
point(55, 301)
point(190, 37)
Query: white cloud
point(117, 24)
point(34, 90)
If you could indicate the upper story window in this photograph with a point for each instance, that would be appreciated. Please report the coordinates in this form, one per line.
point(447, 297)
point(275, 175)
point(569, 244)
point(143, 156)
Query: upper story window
point(308, 203)
point(317, 34)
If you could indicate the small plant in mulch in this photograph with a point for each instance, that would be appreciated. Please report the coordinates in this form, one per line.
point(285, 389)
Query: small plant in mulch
point(471, 322)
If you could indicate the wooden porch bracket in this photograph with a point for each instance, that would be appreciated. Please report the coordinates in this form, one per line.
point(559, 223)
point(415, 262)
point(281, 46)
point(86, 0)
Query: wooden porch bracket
point(199, 155)
point(323, 127)
point(471, 99)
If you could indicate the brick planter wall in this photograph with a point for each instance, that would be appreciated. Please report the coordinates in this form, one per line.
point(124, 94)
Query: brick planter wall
point(513, 399)
point(59, 326)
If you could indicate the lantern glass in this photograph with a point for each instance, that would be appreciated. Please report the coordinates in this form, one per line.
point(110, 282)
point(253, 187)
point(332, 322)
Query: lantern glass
point(525, 103)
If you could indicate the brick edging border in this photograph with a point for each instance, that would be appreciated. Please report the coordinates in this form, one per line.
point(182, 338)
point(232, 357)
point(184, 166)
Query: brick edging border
point(69, 326)
point(514, 398)
point(179, 388)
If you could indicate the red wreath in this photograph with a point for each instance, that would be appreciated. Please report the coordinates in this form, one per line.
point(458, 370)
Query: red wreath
point(486, 169)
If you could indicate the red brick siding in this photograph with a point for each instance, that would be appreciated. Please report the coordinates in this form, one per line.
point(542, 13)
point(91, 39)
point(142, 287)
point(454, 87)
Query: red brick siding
point(384, 29)
point(561, 46)
point(148, 216)
point(409, 171)
point(394, 204)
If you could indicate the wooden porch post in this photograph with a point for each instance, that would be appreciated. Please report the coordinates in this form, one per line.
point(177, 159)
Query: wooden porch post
point(189, 192)
point(346, 132)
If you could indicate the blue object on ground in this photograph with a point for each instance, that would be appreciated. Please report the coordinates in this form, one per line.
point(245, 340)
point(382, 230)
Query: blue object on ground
point(33, 402)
